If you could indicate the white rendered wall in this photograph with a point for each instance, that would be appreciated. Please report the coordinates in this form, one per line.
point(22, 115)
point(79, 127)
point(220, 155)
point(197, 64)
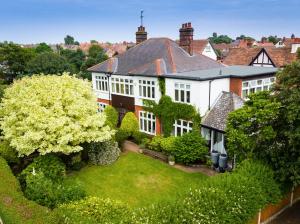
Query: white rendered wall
point(295, 48)
point(200, 91)
point(209, 53)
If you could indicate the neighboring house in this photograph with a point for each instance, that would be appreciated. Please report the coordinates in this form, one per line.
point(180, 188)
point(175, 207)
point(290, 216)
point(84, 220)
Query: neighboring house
point(126, 80)
point(205, 48)
point(287, 42)
point(223, 49)
point(262, 57)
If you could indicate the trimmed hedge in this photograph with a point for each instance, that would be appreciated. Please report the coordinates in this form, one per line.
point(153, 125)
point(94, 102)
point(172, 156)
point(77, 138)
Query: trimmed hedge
point(103, 153)
point(14, 207)
point(112, 117)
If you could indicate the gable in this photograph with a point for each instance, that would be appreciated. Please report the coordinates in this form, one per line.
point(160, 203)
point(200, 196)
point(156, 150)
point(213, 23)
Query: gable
point(263, 60)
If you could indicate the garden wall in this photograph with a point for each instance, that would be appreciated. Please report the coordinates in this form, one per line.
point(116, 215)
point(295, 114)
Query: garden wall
point(271, 211)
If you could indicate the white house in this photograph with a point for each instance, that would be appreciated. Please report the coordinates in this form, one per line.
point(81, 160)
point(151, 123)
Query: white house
point(125, 80)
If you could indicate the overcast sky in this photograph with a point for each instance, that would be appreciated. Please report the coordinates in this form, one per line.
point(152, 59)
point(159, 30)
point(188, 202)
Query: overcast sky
point(33, 21)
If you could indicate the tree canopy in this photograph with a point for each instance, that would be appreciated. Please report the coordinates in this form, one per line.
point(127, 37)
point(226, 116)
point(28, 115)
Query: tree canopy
point(49, 63)
point(76, 58)
point(14, 59)
point(51, 114)
point(69, 40)
point(220, 39)
point(267, 128)
point(42, 48)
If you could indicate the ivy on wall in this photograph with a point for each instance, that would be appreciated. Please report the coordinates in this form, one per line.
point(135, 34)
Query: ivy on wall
point(168, 112)
point(162, 85)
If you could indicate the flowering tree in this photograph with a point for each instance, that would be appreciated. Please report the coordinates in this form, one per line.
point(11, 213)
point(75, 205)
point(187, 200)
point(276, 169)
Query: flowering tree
point(51, 114)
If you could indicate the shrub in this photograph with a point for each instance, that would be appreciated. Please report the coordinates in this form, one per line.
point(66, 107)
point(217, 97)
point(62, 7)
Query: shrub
point(8, 153)
point(74, 161)
point(168, 144)
point(189, 148)
point(155, 143)
point(14, 207)
point(130, 123)
point(144, 143)
point(139, 136)
point(50, 165)
point(94, 210)
point(112, 117)
point(46, 192)
point(121, 136)
point(103, 153)
point(231, 198)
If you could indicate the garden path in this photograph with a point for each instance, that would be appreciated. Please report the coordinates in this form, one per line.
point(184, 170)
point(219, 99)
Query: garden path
point(132, 147)
point(289, 216)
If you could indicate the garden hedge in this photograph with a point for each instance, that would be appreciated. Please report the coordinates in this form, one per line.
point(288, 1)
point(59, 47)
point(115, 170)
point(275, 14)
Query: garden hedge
point(14, 207)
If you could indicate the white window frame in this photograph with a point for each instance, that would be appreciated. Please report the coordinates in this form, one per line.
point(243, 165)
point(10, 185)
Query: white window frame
point(183, 91)
point(256, 85)
point(101, 83)
point(101, 106)
point(122, 86)
point(147, 89)
point(183, 128)
point(147, 122)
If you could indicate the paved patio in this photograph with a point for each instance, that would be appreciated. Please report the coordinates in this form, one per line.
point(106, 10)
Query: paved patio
point(289, 216)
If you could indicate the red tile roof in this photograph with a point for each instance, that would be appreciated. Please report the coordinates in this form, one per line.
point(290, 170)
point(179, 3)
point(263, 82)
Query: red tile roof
point(244, 56)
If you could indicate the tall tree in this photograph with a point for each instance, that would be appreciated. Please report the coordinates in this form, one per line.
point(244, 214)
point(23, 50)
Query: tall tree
point(243, 37)
point(14, 59)
point(69, 40)
point(51, 114)
point(268, 127)
point(96, 54)
point(273, 39)
point(76, 58)
point(42, 48)
point(49, 63)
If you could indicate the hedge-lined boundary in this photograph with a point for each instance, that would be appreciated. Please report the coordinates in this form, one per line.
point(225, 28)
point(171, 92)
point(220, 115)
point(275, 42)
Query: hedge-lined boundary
point(14, 207)
point(271, 211)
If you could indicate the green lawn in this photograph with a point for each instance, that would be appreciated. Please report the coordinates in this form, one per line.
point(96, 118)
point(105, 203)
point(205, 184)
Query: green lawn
point(137, 180)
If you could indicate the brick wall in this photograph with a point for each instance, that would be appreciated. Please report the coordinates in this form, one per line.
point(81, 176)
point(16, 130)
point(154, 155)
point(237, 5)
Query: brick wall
point(236, 86)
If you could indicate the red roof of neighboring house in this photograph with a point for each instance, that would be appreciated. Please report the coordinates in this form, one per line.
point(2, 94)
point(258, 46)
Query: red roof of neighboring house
point(199, 46)
point(244, 56)
point(264, 44)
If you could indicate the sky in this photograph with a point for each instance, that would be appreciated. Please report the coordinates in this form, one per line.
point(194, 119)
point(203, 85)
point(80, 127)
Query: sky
point(35, 21)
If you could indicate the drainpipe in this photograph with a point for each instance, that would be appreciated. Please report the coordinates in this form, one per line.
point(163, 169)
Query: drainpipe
point(108, 75)
point(209, 92)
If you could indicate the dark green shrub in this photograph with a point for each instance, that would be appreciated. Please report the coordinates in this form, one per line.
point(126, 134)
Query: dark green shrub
point(144, 143)
point(50, 165)
point(74, 161)
point(139, 136)
point(189, 148)
point(94, 210)
point(121, 135)
point(14, 207)
point(49, 193)
point(112, 116)
point(103, 153)
point(8, 153)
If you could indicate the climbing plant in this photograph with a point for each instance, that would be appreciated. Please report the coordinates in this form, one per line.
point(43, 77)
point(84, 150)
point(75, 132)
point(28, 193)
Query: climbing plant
point(162, 85)
point(168, 112)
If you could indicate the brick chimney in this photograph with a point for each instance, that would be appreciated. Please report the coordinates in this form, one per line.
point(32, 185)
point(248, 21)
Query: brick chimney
point(186, 37)
point(141, 34)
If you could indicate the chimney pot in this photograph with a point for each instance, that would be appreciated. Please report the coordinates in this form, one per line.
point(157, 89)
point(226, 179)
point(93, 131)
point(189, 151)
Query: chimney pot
point(189, 24)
